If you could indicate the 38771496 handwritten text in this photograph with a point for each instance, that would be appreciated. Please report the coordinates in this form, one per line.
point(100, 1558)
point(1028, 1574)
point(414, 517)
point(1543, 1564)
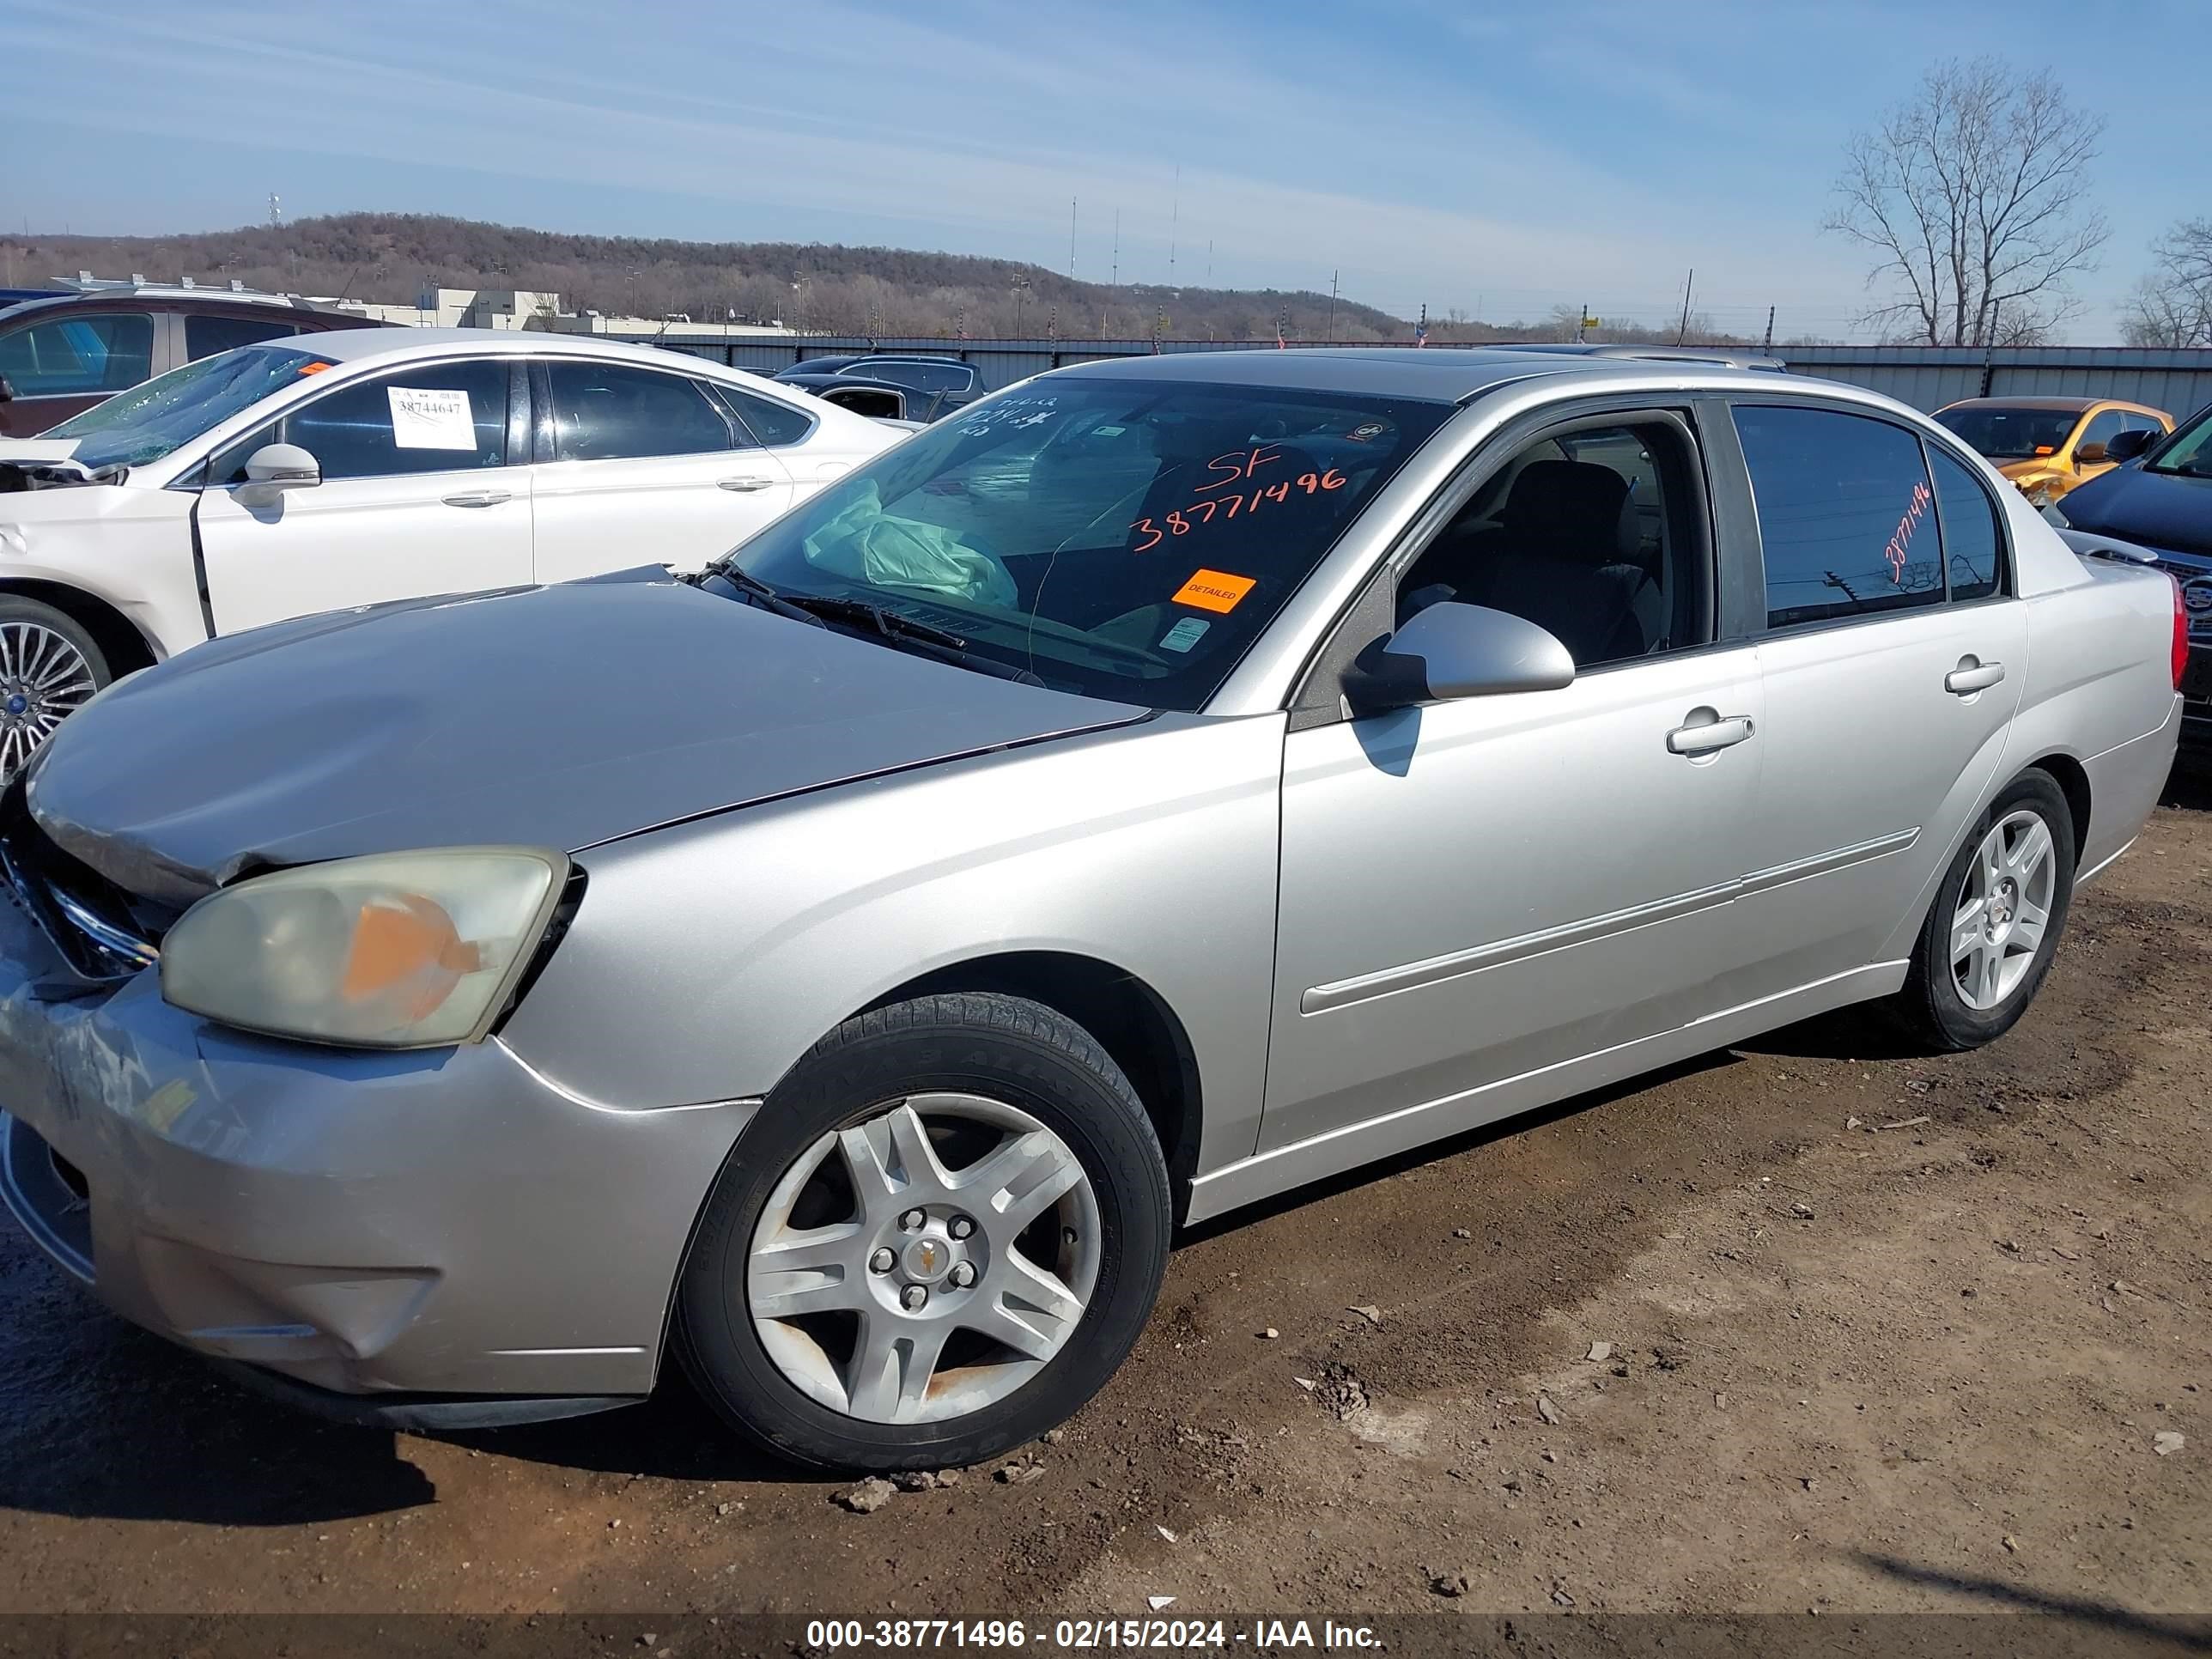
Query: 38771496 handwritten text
point(1227, 496)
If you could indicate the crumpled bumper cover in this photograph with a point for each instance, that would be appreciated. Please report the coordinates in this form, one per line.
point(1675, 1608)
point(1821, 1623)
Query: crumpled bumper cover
point(440, 1222)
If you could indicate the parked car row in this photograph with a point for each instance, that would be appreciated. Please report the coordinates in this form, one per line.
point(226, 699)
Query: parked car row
point(2158, 496)
point(302, 475)
point(838, 969)
point(62, 354)
point(887, 385)
point(2048, 446)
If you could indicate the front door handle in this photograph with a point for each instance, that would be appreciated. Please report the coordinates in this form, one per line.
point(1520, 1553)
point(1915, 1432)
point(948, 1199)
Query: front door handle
point(1703, 737)
point(744, 486)
point(478, 498)
point(1972, 675)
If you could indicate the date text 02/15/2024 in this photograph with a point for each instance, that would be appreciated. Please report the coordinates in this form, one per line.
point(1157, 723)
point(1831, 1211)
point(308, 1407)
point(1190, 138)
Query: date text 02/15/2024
point(1086, 1635)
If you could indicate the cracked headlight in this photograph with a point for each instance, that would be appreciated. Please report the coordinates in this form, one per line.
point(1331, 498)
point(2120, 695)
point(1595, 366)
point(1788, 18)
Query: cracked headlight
point(395, 951)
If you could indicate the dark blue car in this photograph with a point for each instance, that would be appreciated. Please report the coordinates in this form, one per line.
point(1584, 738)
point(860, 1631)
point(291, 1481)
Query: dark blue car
point(2160, 498)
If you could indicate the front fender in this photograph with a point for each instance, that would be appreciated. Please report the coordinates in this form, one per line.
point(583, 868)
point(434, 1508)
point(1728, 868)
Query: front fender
point(706, 958)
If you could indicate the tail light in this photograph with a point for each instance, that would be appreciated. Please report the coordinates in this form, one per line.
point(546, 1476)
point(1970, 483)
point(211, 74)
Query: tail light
point(2180, 635)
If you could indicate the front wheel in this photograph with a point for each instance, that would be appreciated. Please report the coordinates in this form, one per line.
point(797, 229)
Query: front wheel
point(939, 1238)
point(49, 669)
point(1995, 926)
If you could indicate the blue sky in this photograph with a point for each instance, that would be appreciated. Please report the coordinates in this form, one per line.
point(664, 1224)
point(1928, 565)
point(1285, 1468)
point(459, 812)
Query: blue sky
point(1459, 155)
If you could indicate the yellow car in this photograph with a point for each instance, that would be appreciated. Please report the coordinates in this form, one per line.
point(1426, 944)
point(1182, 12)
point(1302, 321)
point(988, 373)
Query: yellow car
point(2048, 445)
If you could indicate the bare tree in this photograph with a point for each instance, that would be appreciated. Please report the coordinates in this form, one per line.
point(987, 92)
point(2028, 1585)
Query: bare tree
point(2172, 306)
point(1973, 194)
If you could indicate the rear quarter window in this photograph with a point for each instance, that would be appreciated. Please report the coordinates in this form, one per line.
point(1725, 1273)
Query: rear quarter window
point(1973, 542)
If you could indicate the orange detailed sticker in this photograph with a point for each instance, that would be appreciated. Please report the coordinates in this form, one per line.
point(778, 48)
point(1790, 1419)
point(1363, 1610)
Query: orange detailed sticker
point(313, 369)
point(1214, 590)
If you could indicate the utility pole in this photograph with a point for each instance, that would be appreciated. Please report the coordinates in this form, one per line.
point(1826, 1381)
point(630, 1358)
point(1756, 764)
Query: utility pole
point(1332, 305)
point(1071, 239)
point(1209, 263)
point(1174, 221)
point(1683, 327)
point(1021, 293)
point(1581, 323)
point(1770, 329)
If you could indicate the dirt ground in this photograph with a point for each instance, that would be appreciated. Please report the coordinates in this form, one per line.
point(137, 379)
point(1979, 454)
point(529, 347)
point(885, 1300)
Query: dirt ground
point(1885, 1333)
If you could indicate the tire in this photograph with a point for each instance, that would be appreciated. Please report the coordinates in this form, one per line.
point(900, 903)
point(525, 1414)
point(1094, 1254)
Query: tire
point(805, 1359)
point(1954, 1002)
point(49, 669)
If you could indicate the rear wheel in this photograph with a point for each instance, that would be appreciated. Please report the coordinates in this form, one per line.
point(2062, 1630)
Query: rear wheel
point(939, 1237)
point(1995, 926)
point(49, 669)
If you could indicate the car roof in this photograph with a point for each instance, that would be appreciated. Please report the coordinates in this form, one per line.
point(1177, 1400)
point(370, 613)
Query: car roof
point(209, 299)
point(2075, 406)
point(1449, 375)
point(358, 347)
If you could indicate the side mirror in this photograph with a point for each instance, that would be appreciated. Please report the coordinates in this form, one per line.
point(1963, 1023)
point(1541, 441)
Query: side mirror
point(274, 468)
point(2126, 446)
point(2090, 454)
point(1450, 651)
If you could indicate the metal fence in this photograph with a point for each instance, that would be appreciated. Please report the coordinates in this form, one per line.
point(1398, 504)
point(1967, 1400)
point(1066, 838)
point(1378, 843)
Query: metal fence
point(2178, 381)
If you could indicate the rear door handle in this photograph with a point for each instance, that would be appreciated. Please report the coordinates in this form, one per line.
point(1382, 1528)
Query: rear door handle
point(479, 498)
point(1704, 738)
point(744, 486)
point(1971, 676)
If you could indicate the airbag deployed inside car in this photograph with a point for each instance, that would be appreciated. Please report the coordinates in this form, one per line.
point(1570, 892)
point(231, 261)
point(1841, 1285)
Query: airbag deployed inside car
point(868, 544)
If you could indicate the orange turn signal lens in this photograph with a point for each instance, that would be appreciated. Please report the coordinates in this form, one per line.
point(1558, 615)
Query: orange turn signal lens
point(405, 947)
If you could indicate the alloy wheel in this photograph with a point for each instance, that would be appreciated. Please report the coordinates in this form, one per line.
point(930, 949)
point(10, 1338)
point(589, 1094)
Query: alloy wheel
point(2004, 909)
point(924, 1263)
point(44, 680)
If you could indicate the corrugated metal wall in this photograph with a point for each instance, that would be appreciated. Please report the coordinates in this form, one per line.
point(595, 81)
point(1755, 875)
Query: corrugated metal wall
point(1926, 377)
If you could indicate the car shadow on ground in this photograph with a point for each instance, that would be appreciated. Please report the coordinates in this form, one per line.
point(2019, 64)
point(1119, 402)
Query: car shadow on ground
point(2189, 786)
point(2119, 1623)
point(98, 1419)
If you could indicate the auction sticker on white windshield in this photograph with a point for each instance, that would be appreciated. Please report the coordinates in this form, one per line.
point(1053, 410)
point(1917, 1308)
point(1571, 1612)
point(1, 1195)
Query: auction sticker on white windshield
point(426, 418)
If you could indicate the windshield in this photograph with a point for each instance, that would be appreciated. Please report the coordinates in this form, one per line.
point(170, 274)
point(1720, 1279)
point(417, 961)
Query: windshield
point(147, 422)
point(2010, 435)
point(2188, 451)
point(1122, 538)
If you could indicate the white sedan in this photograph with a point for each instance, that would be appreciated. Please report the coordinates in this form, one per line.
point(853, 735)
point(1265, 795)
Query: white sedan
point(295, 477)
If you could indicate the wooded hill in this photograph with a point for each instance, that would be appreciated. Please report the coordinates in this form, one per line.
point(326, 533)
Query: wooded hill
point(392, 257)
point(894, 293)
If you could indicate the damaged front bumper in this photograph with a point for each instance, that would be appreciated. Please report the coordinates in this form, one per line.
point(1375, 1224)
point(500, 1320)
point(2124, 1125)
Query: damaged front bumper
point(400, 1236)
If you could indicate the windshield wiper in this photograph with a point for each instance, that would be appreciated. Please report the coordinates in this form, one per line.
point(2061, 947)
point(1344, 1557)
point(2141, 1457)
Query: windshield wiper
point(885, 621)
point(892, 626)
point(755, 590)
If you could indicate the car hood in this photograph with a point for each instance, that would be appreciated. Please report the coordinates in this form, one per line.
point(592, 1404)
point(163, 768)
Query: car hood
point(2158, 509)
point(34, 452)
point(556, 716)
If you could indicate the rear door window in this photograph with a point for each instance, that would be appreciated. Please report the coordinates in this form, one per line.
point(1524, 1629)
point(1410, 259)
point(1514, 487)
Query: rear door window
point(205, 336)
point(1845, 520)
point(79, 354)
point(609, 411)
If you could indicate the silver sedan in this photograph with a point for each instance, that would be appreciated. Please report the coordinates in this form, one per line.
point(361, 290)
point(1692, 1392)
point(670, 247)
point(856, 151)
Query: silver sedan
point(1163, 784)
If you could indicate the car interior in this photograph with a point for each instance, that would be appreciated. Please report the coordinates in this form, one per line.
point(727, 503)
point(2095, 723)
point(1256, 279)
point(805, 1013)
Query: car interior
point(1576, 533)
